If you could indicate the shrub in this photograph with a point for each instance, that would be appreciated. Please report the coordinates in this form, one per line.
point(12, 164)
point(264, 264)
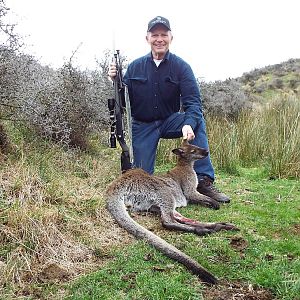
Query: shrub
point(67, 110)
point(278, 83)
point(294, 83)
point(224, 98)
point(64, 105)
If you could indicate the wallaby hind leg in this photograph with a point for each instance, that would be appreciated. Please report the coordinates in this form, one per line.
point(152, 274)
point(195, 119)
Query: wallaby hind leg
point(171, 222)
point(204, 228)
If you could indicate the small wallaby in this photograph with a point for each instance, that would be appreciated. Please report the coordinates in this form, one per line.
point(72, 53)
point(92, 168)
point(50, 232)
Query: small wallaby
point(137, 191)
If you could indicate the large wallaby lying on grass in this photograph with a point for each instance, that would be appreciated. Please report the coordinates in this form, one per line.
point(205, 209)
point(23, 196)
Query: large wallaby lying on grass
point(136, 190)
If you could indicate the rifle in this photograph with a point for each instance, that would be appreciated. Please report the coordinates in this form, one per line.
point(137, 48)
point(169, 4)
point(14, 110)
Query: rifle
point(117, 107)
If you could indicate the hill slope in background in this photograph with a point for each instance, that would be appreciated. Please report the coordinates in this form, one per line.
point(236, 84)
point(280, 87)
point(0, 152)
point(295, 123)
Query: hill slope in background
point(268, 81)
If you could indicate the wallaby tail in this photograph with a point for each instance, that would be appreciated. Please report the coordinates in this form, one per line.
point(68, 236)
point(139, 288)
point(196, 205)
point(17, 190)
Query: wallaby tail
point(118, 210)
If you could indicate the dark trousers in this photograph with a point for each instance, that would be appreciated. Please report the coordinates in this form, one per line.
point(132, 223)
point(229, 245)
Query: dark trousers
point(145, 138)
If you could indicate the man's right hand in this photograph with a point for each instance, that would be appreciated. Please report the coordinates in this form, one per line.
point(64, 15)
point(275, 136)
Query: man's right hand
point(188, 133)
point(112, 71)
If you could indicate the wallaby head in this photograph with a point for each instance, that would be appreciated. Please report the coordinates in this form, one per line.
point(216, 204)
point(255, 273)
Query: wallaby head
point(190, 152)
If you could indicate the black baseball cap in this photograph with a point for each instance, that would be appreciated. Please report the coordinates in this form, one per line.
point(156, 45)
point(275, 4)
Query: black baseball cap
point(159, 20)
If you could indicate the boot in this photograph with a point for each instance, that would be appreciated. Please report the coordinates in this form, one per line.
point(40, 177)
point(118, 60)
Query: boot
point(206, 187)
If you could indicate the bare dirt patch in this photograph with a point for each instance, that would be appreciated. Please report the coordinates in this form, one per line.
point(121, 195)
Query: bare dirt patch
point(236, 291)
point(238, 243)
point(296, 229)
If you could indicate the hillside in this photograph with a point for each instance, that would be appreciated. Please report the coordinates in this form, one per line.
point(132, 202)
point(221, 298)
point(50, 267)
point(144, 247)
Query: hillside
point(273, 79)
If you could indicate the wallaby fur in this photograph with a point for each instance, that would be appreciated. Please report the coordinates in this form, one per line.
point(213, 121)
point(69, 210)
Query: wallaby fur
point(136, 190)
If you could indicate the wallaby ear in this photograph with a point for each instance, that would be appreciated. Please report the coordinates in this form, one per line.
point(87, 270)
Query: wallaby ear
point(178, 151)
point(184, 142)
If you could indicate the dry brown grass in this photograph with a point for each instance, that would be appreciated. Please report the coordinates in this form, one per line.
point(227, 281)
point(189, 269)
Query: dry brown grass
point(54, 229)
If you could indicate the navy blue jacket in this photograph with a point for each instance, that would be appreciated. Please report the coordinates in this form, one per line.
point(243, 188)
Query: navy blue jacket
point(157, 92)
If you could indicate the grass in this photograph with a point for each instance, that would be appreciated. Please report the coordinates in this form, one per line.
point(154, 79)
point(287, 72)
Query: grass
point(137, 273)
point(264, 253)
point(270, 137)
point(57, 240)
point(51, 223)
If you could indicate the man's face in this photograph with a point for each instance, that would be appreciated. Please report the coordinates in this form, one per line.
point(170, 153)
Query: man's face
point(159, 38)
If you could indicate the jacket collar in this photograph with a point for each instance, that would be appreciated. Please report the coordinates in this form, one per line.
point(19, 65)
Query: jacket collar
point(167, 56)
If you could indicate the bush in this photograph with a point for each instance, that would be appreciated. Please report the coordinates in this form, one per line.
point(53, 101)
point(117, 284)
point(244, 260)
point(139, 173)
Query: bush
point(294, 83)
point(224, 98)
point(278, 83)
point(64, 105)
point(67, 110)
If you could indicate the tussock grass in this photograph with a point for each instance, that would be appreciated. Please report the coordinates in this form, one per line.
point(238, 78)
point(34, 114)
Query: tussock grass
point(269, 137)
point(39, 243)
point(53, 225)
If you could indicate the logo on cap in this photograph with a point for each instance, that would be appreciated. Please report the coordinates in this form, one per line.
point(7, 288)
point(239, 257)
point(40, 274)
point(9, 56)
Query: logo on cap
point(158, 20)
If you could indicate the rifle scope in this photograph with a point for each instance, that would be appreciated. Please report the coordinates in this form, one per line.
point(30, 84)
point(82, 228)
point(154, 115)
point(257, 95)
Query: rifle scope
point(111, 107)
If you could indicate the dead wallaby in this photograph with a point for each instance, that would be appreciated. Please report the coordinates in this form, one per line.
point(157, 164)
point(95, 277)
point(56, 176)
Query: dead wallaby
point(137, 191)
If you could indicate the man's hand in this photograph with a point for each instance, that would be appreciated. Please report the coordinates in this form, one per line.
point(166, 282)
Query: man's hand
point(188, 133)
point(112, 71)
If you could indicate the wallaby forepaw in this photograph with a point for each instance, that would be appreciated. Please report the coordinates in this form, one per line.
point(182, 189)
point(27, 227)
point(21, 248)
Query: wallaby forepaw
point(215, 205)
point(203, 231)
point(225, 226)
point(211, 203)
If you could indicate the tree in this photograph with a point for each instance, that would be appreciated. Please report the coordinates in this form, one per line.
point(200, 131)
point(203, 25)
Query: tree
point(10, 41)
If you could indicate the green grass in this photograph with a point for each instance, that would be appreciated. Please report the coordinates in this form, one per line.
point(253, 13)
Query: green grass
point(138, 272)
point(268, 138)
point(52, 209)
point(267, 213)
